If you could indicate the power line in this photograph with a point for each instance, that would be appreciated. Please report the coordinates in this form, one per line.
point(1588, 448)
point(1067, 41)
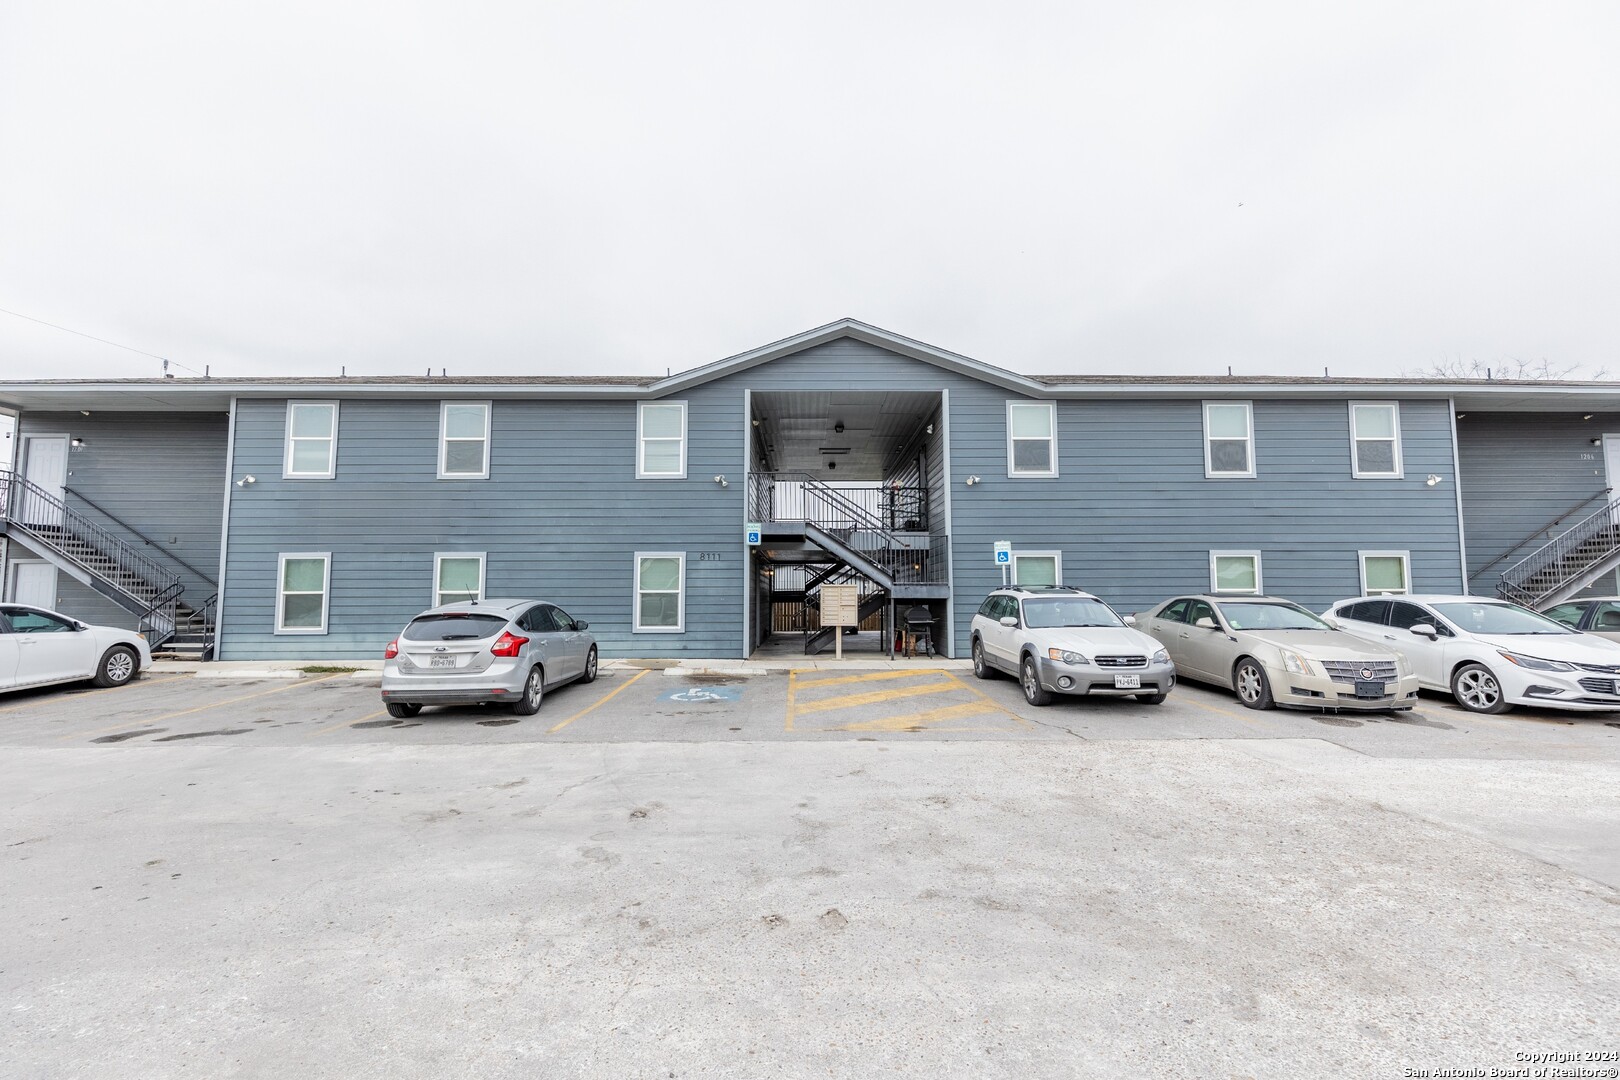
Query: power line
point(104, 341)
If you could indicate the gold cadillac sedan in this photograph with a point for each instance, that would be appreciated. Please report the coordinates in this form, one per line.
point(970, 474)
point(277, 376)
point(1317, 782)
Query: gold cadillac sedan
point(1274, 652)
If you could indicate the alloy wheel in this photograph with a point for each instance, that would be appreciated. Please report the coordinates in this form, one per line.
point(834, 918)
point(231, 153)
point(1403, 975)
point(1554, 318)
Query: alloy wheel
point(1478, 689)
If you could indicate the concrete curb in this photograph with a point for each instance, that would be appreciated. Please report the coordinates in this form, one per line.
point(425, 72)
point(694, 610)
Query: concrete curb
point(685, 668)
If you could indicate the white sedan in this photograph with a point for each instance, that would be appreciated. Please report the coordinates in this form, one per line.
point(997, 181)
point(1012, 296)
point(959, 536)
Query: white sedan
point(1489, 654)
point(39, 647)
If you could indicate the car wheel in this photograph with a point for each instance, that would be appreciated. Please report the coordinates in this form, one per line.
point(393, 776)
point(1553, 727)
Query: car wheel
point(533, 690)
point(1253, 689)
point(1477, 690)
point(1034, 693)
point(590, 666)
point(1151, 699)
point(981, 666)
point(403, 710)
point(119, 664)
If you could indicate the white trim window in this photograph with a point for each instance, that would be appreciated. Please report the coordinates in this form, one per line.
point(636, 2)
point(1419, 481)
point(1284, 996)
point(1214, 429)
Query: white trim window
point(661, 440)
point(1375, 440)
point(458, 576)
point(464, 440)
point(1385, 573)
point(311, 451)
point(1037, 568)
point(1031, 438)
point(303, 587)
point(1235, 572)
point(660, 592)
point(1228, 439)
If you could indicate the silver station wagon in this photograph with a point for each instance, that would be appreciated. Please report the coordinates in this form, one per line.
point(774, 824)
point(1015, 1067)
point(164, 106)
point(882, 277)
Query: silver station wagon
point(478, 651)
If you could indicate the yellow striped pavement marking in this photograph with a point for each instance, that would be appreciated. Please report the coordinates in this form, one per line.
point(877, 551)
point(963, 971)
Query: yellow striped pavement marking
point(617, 690)
point(792, 697)
point(200, 708)
point(875, 697)
point(922, 719)
point(875, 676)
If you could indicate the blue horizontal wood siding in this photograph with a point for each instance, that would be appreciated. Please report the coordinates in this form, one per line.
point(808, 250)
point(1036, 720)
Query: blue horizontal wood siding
point(559, 518)
point(162, 474)
point(1136, 518)
point(1520, 472)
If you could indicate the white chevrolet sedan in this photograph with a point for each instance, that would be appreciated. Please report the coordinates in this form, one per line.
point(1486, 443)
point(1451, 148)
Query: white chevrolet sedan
point(1489, 654)
point(39, 648)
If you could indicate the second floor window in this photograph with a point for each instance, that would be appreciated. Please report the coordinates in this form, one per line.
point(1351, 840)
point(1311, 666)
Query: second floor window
point(311, 440)
point(661, 440)
point(1031, 438)
point(464, 440)
point(1375, 438)
point(1228, 439)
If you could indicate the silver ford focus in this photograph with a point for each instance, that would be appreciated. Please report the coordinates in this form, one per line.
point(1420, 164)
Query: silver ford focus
point(475, 651)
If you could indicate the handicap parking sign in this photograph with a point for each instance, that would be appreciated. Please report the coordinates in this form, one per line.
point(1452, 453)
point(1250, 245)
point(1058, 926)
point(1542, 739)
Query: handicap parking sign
point(752, 533)
point(1003, 552)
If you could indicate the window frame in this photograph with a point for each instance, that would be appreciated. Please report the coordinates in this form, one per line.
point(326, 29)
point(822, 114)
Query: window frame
point(282, 594)
point(288, 439)
point(1356, 471)
point(1055, 556)
point(641, 441)
point(1248, 441)
point(636, 591)
point(438, 563)
point(1406, 566)
point(1214, 578)
point(445, 439)
point(1013, 472)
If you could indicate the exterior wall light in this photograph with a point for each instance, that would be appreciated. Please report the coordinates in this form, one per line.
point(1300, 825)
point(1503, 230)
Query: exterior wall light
point(722, 481)
point(76, 443)
point(1597, 442)
point(930, 429)
point(972, 480)
point(246, 480)
point(1432, 480)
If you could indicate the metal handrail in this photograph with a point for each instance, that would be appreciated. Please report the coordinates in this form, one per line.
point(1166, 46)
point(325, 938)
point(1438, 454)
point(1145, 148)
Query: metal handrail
point(110, 516)
point(1547, 528)
point(902, 562)
point(1555, 555)
point(39, 514)
point(152, 628)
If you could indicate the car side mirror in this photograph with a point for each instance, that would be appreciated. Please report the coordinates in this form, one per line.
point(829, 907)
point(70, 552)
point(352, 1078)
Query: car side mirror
point(581, 624)
point(1424, 629)
point(80, 626)
point(1008, 620)
point(1130, 620)
point(1206, 623)
point(1331, 621)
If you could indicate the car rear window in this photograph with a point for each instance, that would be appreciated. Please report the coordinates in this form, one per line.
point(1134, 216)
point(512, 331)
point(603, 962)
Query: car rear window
point(454, 626)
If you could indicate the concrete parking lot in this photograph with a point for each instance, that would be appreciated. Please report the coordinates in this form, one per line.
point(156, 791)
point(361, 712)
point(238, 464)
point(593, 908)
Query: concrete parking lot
point(896, 870)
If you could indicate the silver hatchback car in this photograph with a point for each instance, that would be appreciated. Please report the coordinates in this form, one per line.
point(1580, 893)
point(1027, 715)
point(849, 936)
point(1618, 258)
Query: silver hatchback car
point(486, 650)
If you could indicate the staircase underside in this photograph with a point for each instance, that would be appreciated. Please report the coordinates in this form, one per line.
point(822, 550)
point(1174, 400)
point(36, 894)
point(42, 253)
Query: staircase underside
point(809, 544)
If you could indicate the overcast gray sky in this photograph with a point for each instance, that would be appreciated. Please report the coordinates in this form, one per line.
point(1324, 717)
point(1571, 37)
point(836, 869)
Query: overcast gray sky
point(556, 188)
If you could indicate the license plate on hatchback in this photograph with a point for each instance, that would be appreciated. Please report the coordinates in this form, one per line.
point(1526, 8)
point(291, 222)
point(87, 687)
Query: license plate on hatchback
point(1368, 689)
point(1127, 682)
point(441, 661)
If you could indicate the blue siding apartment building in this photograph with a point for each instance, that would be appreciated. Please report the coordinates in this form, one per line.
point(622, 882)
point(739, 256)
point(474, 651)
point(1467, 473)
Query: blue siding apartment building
point(310, 518)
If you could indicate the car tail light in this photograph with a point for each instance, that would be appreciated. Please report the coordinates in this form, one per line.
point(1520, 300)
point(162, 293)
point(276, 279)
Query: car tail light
point(508, 644)
point(392, 650)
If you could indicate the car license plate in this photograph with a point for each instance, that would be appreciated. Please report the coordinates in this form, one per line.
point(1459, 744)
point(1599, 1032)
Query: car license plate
point(1127, 682)
point(1364, 688)
point(441, 661)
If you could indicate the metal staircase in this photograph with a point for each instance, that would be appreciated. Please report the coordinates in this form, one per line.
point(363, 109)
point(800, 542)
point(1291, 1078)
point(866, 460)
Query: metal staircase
point(1566, 564)
point(93, 554)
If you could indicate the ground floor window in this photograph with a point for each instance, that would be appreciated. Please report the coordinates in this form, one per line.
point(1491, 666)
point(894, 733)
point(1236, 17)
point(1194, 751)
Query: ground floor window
point(1037, 568)
point(660, 592)
point(1385, 572)
point(304, 578)
point(1235, 572)
point(457, 576)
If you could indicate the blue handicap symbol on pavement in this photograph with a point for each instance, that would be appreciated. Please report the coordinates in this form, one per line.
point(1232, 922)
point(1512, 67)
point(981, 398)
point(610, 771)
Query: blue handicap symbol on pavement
point(703, 693)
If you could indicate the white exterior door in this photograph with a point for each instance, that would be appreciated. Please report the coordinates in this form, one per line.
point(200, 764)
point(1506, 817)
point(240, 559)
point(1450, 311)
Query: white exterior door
point(44, 466)
point(33, 583)
point(1611, 468)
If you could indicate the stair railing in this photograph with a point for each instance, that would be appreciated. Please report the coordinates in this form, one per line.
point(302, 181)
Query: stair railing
point(161, 619)
point(1563, 559)
point(48, 520)
point(1545, 530)
point(132, 530)
point(842, 516)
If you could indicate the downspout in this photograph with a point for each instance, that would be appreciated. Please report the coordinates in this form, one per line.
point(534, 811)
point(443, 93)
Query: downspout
point(950, 539)
point(747, 551)
point(1456, 474)
point(225, 529)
